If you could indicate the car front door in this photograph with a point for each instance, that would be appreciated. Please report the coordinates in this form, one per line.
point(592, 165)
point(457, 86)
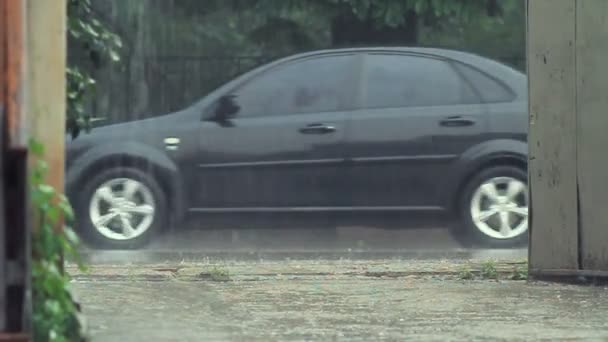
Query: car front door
point(283, 146)
point(410, 104)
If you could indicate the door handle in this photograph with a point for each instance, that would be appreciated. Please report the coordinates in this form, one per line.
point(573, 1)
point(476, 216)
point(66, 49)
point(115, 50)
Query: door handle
point(456, 121)
point(317, 129)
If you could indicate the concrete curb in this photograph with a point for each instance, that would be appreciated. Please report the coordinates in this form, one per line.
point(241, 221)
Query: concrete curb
point(286, 270)
point(172, 256)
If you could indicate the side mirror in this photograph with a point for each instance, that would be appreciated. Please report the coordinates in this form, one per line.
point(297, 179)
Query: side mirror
point(224, 111)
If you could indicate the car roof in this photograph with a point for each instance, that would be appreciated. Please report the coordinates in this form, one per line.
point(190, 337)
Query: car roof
point(459, 55)
point(401, 49)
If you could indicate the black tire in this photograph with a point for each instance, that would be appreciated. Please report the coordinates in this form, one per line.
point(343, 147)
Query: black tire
point(466, 231)
point(87, 230)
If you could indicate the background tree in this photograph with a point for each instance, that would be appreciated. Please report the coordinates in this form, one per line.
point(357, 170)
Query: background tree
point(180, 50)
point(94, 40)
point(352, 22)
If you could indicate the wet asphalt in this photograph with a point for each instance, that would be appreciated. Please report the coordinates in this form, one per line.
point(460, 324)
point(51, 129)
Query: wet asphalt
point(334, 300)
point(308, 284)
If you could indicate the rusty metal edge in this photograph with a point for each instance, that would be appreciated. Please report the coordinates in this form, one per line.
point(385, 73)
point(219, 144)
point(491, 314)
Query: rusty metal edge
point(3, 304)
point(13, 38)
point(14, 337)
point(12, 76)
point(2, 51)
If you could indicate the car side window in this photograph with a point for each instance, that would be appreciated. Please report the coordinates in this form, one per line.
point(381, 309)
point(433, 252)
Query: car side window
point(394, 81)
point(309, 86)
point(490, 90)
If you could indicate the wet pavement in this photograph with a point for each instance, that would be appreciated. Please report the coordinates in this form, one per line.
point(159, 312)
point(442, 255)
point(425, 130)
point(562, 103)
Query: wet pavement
point(302, 243)
point(350, 284)
point(339, 300)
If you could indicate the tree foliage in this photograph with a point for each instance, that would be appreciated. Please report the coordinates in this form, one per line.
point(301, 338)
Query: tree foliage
point(350, 22)
point(376, 14)
point(391, 13)
point(88, 32)
point(384, 12)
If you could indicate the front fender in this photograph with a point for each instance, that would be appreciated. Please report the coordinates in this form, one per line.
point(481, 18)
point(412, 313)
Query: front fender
point(478, 157)
point(111, 154)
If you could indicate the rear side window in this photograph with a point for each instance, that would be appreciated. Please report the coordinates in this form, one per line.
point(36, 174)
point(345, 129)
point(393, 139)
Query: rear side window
point(488, 88)
point(414, 81)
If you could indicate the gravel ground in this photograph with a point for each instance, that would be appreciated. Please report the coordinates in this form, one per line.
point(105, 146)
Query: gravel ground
point(335, 300)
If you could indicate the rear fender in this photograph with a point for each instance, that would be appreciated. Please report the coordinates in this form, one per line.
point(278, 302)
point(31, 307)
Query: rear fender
point(480, 157)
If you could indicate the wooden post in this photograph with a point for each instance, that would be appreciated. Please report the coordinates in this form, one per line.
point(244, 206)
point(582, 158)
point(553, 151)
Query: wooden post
point(568, 79)
point(45, 89)
point(46, 81)
point(552, 135)
point(32, 100)
point(592, 132)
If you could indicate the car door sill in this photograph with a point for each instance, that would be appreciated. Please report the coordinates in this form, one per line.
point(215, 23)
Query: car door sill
point(316, 209)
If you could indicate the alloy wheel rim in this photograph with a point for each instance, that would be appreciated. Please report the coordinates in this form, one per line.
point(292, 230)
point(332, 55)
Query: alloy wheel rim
point(499, 208)
point(122, 209)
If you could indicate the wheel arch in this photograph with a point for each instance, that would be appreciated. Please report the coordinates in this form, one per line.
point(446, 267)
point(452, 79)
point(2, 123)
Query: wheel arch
point(497, 153)
point(141, 158)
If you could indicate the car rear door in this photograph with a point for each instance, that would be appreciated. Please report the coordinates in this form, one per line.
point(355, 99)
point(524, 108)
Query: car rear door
point(411, 104)
point(283, 149)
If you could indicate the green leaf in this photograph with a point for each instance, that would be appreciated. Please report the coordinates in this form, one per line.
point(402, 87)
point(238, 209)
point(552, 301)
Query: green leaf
point(36, 147)
point(46, 189)
point(114, 55)
point(63, 198)
point(42, 167)
point(66, 210)
point(419, 6)
point(117, 41)
point(52, 214)
point(71, 236)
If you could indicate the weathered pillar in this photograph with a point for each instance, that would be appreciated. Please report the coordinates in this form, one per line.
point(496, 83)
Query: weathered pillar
point(46, 81)
point(568, 169)
point(45, 84)
point(592, 133)
point(552, 135)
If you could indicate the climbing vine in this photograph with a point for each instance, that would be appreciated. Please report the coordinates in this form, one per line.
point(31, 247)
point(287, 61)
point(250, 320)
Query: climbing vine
point(55, 314)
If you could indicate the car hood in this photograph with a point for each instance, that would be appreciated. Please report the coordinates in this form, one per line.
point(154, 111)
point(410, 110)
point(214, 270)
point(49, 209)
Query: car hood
point(131, 128)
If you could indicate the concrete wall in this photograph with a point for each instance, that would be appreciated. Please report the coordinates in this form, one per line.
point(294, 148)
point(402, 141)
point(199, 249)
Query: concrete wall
point(568, 170)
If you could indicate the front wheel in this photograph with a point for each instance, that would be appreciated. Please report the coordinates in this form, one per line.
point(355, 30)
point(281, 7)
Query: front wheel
point(494, 208)
point(120, 208)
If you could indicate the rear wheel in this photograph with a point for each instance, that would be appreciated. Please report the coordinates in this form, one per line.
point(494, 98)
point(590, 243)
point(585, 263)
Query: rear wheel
point(120, 209)
point(494, 209)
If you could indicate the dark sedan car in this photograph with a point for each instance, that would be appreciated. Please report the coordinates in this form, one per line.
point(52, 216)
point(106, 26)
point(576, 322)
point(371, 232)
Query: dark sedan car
point(372, 130)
